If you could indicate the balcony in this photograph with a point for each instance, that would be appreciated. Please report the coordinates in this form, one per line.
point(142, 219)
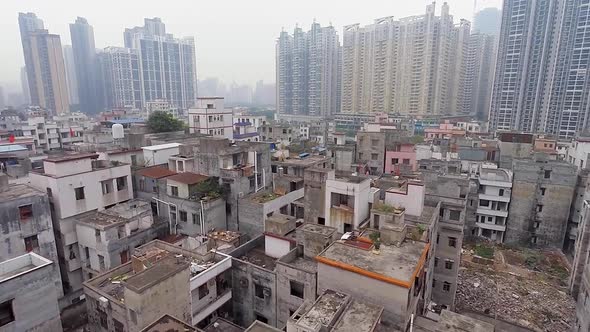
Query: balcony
point(505, 198)
point(503, 184)
point(210, 273)
point(237, 172)
point(212, 307)
point(493, 227)
point(490, 212)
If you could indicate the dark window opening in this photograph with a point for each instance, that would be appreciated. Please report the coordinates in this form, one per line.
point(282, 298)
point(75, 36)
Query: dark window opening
point(6, 313)
point(79, 193)
point(258, 291)
point(25, 212)
point(203, 291)
point(31, 243)
point(296, 288)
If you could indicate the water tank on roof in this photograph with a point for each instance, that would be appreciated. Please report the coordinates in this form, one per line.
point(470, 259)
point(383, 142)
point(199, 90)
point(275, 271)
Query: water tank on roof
point(118, 131)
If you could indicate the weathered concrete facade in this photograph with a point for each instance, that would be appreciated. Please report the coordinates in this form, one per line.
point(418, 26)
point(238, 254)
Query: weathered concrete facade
point(542, 192)
point(314, 199)
point(370, 152)
point(582, 248)
point(28, 291)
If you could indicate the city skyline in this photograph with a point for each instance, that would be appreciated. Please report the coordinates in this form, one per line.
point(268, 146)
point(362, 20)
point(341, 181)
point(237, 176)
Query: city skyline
point(214, 59)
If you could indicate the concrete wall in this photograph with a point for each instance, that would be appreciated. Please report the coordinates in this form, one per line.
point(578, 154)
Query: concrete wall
point(34, 301)
point(526, 224)
point(245, 303)
point(314, 198)
point(407, 153)
point(358, 192)
point(371, 151)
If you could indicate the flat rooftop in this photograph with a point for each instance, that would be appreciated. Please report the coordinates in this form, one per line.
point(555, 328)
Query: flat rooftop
point(70, 157)
point(304, 263)
point(359, 317)
point(169, 323)
point(16, 191)
point(398, 264)
point(165, 269)
point(258, 326)
point(257, 256)
point(307, 161)
point(452, 322)
point(17, 266)
point(323, 311)
point(351, 178)
point(161, 146)
point(225, 236)
point(222, 325)
point(319, 229)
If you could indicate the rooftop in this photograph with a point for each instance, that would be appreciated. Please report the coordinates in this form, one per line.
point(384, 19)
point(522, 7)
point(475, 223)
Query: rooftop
point(258, 326)
point(70, 157)
point(323, 311)
point(225, 236)
point(359, 317)
point(317, 228)
point(222, 325)
point(14, 267)
point(161, 146)
point(395, 265)
point(16, 191)
point(169, 323)
point(452, 322)
point(257, 256)
point(307, 161)
point(155, 172)
point(188, 178)
point(149, 277)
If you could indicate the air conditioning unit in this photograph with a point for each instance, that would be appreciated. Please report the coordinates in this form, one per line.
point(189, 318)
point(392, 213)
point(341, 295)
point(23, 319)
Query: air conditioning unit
point(103, 301)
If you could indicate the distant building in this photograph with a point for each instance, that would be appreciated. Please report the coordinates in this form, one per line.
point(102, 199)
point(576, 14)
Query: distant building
point(173, 59)
point(488, 21)
point(87, 74)
point(121, 78)
point(71, 76)
point(210, 117)
point(308, 71)
point(44, 61)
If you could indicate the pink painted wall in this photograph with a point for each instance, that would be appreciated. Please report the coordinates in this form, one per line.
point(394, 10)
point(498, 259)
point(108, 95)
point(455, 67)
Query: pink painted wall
point(407, 151)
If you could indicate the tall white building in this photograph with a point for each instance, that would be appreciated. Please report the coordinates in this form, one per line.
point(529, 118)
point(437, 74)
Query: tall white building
point(167, 65)
point(479, 76)
point(541, 80)
point(308, 69)
point(71, 77)
point(414, 65)
point(120, 76)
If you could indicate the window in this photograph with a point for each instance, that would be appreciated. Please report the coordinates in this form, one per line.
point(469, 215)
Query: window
point(107, 186)
point(101, 262)
point(102, 317)
point(196, 219)
point(449, 264)
point(501, 192)
point(183, 216)
point(542, 191)
point(433, 283)
point(118, 326)
point(121, 183)
point(31, 243)
point(6, 313)
point(406, 161)
point(321, 221)
point(203, 291)
point(547, 174)
point(79, 193)
point(446, 286)
point(484, 202)
point(453, 242)
point(435, 261)
point(394, 161)
point(259, 291)
point(210, 118)
point(133, 316)
point(539, 208)
point(374, 156)
point(261, 318)
point(174, 191)
point(25, 212)
point(296, 288)
point(454, 215)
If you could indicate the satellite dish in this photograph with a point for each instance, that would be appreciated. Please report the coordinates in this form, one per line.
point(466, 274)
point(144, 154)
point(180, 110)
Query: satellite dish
point(118, 131)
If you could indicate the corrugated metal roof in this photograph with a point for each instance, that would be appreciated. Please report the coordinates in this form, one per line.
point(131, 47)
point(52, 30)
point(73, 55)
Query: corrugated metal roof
point(156, 172)
point(188, 178)
point(12, 148)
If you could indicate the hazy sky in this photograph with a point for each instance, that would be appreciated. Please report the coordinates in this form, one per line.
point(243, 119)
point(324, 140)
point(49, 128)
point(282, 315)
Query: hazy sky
point(235, 39)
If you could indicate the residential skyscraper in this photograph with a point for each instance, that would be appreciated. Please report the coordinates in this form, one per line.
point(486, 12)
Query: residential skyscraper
point(119, 69)
point(44, 61)
point(71, 78)
point(479, 77)
point(488, 21)
point(541, 80)
point(84, 50)
point(167, 65)
point(414, 65)
point(308, 71)
point(24, 83)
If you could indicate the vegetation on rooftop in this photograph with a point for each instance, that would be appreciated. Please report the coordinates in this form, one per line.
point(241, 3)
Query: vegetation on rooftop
point(210, 188)
point(386, 208)
point(266, 197)
point(160, 122)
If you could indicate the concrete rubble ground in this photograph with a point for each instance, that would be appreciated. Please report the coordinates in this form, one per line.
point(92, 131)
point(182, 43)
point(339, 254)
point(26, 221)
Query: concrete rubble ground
point(533, 298)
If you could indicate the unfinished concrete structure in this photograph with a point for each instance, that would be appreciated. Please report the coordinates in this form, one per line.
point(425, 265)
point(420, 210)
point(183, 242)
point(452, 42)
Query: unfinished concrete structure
point(25, 223)
point(28, 294)
point(493, 202)
point(335, 311)
point(581, 193)
point(108, 238)
point(370, 152)
point(188, 285)
point(297, 166)
point(452, 322)
point(514, 146)
point(346, 202)
point(75, 184)
point(342, 152)
point(583, 304)
point(542, 192)
point(169, 323)
point(581, 251)
point(314, 199)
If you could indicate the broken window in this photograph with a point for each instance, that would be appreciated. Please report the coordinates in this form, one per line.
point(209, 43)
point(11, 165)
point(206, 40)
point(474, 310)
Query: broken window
point(446, 286)
point(101, 262)
point(453, 242)
point(203, 291)
point(119, 327)
point(258, 291)
point(547, 174)
point(6, 313)
point(25, 212)
point(455, 215)
point(133, 316)
point(296, 288)
point(79, 193)
point(31, 243)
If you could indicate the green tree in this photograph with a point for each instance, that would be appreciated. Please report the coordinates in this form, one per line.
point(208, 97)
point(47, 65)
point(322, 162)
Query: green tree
point(160, 122)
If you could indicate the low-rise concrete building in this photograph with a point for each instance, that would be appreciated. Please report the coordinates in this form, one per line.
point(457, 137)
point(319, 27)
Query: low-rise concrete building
point(494, 193)
point(542, 192)
point(297, 166)
point(76, 184)
point(155, 155)
point(578, 152)
point(452, 322)
point(346, 202)
point(170, 323)
point(28, 294)
point(189, 285)
point(370, 152)
point(107, 238)
point(278, 133)
point(341, 152)
point(210, 117)
point(400, 157)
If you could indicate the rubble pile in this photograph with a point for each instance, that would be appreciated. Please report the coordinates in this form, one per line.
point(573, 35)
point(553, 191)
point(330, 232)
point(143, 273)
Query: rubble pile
point(526, 301)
